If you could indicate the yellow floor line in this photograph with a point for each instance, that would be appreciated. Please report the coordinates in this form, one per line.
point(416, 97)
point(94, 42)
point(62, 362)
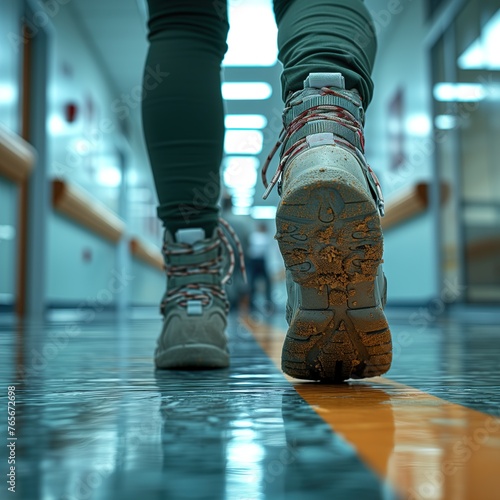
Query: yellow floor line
point(424, 446)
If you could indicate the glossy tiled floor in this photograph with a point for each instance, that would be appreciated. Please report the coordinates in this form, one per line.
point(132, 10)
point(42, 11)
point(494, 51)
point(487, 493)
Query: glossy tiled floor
point(95, 421)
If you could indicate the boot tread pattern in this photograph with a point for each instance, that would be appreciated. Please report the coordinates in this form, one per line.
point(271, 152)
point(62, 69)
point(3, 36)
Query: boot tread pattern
point(330, 237)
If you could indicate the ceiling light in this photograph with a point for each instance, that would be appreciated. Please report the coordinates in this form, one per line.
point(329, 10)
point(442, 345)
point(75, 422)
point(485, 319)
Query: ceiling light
point(245, 121)
point(459, 92)
point(243, 142)
point(240, 173)
point(245, 20)
point(483, 52)
point(445, 122)
point(263, 212)
point(242, 200)
point(241, 210)
point(246, 90)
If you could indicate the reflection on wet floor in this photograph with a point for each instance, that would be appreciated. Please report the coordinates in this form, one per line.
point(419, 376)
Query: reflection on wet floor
point(454, 361)
point(96, 421)
point(416, 436)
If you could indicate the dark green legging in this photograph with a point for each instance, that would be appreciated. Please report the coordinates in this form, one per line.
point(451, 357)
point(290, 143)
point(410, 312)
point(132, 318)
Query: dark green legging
point(182, 109)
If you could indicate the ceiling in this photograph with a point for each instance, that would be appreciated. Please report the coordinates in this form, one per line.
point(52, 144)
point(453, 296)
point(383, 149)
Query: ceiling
point(116, 29)
point(116, 32)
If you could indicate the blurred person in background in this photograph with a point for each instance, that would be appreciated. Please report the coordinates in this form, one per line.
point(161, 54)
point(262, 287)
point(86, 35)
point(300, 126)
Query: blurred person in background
point(259, 247)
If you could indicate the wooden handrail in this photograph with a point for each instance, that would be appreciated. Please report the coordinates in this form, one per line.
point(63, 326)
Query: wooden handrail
point(83, 208)
point(484, 248)
point(409, 203)
point(146, 253)
point(17, 157)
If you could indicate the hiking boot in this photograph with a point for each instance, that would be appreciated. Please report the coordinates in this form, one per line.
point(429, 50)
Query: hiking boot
point(329, 233)
point(195, 305)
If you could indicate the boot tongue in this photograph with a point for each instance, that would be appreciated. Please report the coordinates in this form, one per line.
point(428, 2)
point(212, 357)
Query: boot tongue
point(190, 235)
point(319, 80)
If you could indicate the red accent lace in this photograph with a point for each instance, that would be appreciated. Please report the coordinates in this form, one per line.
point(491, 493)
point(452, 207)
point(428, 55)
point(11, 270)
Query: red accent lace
point(321, 112)
point(204, 291)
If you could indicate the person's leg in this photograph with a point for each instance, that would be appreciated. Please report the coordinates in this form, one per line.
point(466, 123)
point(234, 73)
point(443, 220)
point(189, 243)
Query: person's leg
point(326, 36)
point(252, 282)
point(182, 110)
point(268, 286)
point(328, 219)
point(184, 131)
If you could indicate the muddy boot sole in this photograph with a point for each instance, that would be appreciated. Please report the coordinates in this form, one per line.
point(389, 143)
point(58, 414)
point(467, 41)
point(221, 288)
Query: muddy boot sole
point(329, 233)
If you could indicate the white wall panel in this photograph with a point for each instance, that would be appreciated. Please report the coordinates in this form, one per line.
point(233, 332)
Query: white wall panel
point(10, 73)
point(148, 285)
point(402, 63)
